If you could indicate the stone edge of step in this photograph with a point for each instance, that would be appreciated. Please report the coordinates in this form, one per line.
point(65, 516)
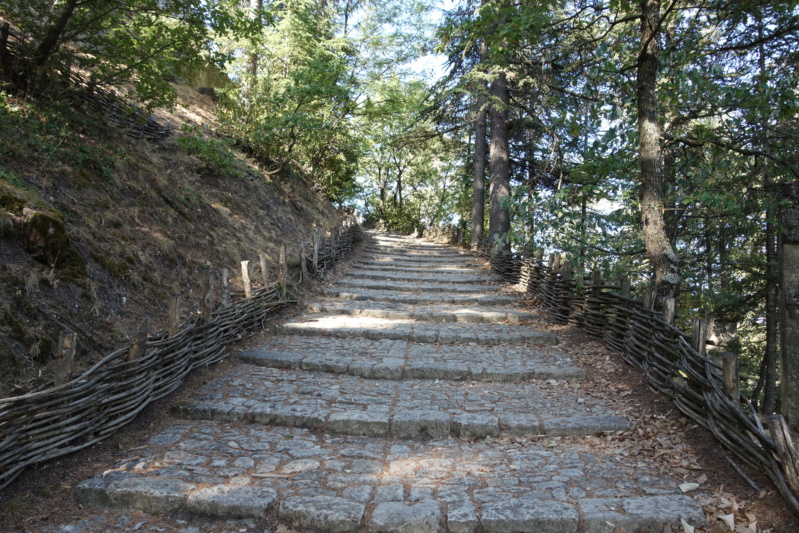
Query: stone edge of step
point(404, 423)
point(427, 335)
point(339, 515)
point(399, 371)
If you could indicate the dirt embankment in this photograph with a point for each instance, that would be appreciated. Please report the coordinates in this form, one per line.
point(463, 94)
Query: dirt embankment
point(97, 228)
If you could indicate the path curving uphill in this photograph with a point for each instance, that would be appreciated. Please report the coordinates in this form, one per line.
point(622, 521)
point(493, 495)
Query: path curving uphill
point(404, 401)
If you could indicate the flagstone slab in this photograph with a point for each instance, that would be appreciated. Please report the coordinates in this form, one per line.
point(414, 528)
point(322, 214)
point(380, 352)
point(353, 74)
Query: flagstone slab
point(416, 331)
point(408, 409)
point(327, 482)
point(400, 359)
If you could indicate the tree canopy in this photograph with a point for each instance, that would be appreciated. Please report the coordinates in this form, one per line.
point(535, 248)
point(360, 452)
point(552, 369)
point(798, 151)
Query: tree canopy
point(649, 137)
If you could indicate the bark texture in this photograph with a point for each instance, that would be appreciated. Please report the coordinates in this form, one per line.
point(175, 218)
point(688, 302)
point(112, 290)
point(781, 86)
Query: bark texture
point(789, 304)
point(499, 215)
point(665, 262)
point(478, 200)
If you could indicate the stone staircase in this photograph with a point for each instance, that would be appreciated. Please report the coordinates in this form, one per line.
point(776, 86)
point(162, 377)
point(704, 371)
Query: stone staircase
point(404, 401)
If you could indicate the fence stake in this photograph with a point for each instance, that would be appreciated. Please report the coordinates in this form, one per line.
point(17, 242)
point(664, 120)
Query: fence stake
point(699, 335)
point(139, 338)
point(67, 344)
point(731, 381)
point(303, 261)
point(226, 288)
point(281, 271)
point(649, 297)
point(208, 297)
point(173, 318)
point(264, 275)
point(317, 238)
point(625, 287)
point(785, 450)
point(669, 310)
point(554, 264)
point(245, 279)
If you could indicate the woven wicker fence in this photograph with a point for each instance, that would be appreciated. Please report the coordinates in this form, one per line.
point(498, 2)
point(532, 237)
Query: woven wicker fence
point(674, 362)
point(75, 412)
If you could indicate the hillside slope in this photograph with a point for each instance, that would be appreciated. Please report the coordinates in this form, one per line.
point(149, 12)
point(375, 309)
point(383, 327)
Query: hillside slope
point(142, 220)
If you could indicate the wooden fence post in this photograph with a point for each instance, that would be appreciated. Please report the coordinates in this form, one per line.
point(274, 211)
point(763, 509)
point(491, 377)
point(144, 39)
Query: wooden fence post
point(264, 275)
point(281, 271)
point(226, 288)
point(730, 376)
point(207, 304)
point(699, 335)
point(626, 289)
point(317, 239)
point(303, 261)
point(564, 301)
point(596, 279)
point(173, 317)
point(785, 450)
point(64, 362)
point(649, 297)
point(669, 310)
point(554, 264)
point(245, 279)
point(139, 338)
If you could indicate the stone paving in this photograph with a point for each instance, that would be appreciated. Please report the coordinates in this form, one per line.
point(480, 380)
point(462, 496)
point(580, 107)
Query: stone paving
point(389, 359)
point(421, 298)
point(343, 483)
point(355, 406)
point(427, 313)
point(448, 277)
point(399, 404)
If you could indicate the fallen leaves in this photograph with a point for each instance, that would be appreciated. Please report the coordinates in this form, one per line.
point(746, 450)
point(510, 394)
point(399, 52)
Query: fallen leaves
point(657, 439)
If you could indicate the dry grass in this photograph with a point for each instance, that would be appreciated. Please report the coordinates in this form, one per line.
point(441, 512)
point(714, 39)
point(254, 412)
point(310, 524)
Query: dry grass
point(147, 218)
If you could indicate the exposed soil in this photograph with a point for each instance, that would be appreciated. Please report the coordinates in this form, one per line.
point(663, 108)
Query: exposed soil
point(43, 497)
point(143, 219)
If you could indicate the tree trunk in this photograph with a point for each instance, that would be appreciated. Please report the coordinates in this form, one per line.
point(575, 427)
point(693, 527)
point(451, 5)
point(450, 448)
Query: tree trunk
point(50, 41)
point(252, 53)
point(772, 289)
point(499, 215)
point(772, 295)
point(658, 248)
point(478, 200)
point(789, 304)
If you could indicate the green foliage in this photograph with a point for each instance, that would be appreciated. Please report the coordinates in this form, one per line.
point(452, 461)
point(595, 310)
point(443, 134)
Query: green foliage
point(147, 43)
point(728, 109)
point(291, 100)
point(214, 154)
point(46, 131)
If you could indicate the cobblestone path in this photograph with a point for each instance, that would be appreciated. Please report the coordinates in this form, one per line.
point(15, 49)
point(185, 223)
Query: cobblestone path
point(403, 402)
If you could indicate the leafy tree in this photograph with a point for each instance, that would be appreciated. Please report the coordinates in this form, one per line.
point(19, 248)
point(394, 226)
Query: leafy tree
point(148, 43)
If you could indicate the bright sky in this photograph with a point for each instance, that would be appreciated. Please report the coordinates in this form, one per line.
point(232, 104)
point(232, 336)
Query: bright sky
point(431, 66)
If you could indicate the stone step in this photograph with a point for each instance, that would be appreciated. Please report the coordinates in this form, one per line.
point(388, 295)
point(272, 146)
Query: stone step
point(411, 408)
point(429, 313)
point(412, 286)
point(334, 484)
point(420, 260)
point(397, 360)
point(417, 275)
point(484, 299)
point(381, 252)
point(415, 331)
point(445, 269)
